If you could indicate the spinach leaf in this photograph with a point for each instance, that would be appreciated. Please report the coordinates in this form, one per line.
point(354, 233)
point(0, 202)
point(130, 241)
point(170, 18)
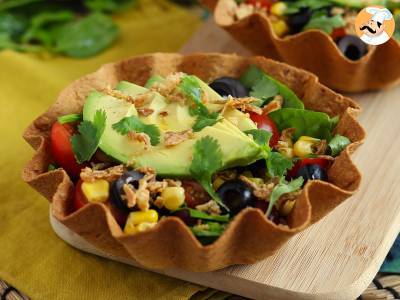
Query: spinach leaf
point(13, 25)
point(397, 28)
point(214, 230)
point(295, 6)
point(337, 144)
point(86, 37)
point(7, 43)
point(264, 86)
point(281, 189)
point(306, 122)
point(197, 214)
point(4, 5)
point(109, 6)
point(325, 23)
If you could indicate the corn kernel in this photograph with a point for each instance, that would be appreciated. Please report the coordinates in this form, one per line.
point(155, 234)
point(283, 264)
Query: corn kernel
point(137, 217)
point(173, 197)
point(280, 28)
point(304, 146)
point(288, 152)
point(218, 182)
point(287, 208)
point(145, 226)
point(130, 228)
point(278, 8)
point(96, 191)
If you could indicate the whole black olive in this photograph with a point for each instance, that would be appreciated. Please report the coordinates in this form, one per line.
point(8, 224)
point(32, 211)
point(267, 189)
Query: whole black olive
point(298, 20)
point(312, 172)
point(236, 195)
point(130, 177)
point(228, 86)
point(352, 47)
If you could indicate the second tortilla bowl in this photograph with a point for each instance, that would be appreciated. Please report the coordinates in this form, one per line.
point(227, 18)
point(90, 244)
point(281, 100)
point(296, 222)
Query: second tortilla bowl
point(312, 50)
point(249, 236)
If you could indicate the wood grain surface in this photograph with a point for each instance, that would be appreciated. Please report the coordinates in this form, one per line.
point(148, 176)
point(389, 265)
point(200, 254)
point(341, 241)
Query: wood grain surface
point(339, 256)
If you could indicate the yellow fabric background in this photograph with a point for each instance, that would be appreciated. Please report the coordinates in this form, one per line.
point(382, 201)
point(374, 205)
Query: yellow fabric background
point(32, 258)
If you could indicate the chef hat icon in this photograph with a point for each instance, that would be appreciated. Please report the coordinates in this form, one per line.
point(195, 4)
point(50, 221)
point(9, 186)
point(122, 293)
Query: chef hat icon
point(379, 14)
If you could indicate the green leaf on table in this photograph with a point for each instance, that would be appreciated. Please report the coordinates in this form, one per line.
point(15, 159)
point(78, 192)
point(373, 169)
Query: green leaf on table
point(133, 123)
point(87, 36)
point(338, 144)
point(264, 87)
point(281, 189)
point(278, 164)
point(85, 144)
point(325, 23)
point(207, 159)
point(306, 122)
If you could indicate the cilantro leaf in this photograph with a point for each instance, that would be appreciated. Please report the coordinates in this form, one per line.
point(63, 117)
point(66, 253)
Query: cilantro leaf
point(191, 88)
point(69, 118)
point(133, 123)
point(278, 164)
point(207, 159)
point(214, 230)
point(264, 89)
point(260, 136)
point(337, 144)
point(85, 144)
point(325, 23)
point(204, 121)
point(283, 188)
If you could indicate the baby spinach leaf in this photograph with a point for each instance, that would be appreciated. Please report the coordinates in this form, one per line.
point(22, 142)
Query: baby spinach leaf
point(259, 83)
point(133, 123)
point(109, 6)
point(214, 230)
point(295, 6)
point(337, 144)
point(13, 25)
point(4, 5)
point(283, 188)
point(278, 164)
point(197, 214)
point(325, 23)
point(306, 122)
point(86, 37)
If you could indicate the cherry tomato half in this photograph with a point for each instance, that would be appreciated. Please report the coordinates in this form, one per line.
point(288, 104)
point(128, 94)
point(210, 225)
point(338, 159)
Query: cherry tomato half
point(265, 122)
point(195, 194)
point(61, 148)
point(322, 162)
point(338, 33)
point(80, 201)
point(263, 3)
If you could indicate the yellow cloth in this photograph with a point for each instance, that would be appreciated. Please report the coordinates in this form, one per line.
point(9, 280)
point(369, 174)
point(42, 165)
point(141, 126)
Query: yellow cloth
point(32, 258)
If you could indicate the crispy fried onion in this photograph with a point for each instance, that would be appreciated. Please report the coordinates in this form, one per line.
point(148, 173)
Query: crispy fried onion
point(168, 88)
point(109, 174)
point(145, 111)
point(140, 137)
point(148, 188)
point(285, 141)
point(211, 207)
point(172, 138)
point(320, 147)
point(275, 104)
point(243, 104)
point(138, 100)
point(261, 191)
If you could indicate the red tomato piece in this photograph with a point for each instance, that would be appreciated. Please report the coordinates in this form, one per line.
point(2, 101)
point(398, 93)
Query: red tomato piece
point(322, 162)
point(61, 148)
point(338, 33)
point(195, 194)
point(265, 122)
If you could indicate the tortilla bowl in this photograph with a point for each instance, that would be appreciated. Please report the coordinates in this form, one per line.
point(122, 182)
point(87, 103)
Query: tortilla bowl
point(313, 50)
point(250, 236)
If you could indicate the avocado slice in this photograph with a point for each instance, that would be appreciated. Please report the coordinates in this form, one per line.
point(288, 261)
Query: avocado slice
point(237, 147)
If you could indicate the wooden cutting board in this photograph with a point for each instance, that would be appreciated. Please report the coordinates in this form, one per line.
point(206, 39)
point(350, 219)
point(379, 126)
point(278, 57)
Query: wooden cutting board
point(337, 257)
